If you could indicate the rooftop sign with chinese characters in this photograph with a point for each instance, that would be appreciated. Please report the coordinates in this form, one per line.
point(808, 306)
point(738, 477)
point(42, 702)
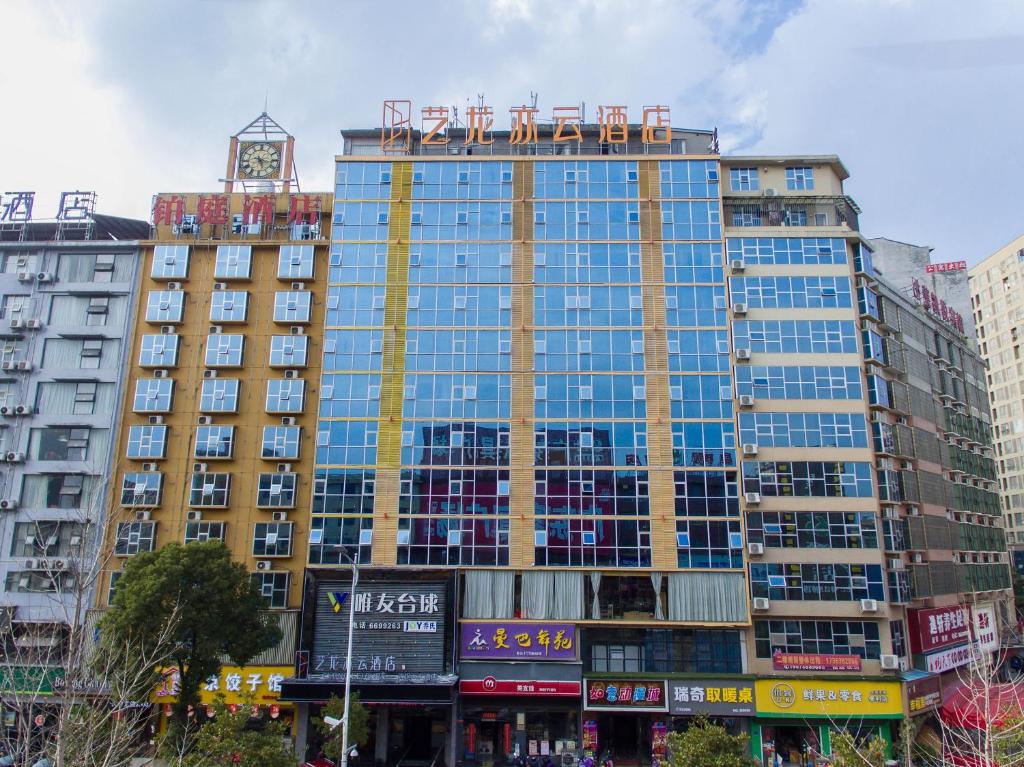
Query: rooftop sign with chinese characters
point(399, 628)
point(518, 641)
point(17, 207)
point(947, 266)
point(215, 210)
point(477, 122)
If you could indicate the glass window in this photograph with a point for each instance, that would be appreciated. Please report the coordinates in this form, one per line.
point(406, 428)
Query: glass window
point(170, 262)
point(146, 442)
point(288, 351)
point(744, 180)
point(796, 336)
point(804, 382)
point(198, 532)
point(830, 582)
point(281, 442)
point(209, 490)
point(134, 538)
point(292, 305)
point(285, 395)
point(219, 395)
point(824, 637)
point(803, 429)
point(214, 442)
point(165, 306)
point(228, 305)
point(800, 178)
point(272, 539)
point(224, 350)
point(159, 351)
point(276, 491)
point(821, 479)
point(792, 292)
point(812, 530)
point(295, 262)
point(706, 543)
point(787, 250)
point(274, 587)
point(141, 488)
point(65, 443)
point(153, 395)
point(234, 262)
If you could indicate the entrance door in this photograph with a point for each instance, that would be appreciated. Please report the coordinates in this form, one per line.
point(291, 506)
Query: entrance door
point(411, 740)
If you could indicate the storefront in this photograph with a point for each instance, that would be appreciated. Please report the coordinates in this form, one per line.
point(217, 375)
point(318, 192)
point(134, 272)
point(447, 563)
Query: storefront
point(728, 702)
point(626, 718)
point(257, 688)
point(520, 686)
point(795, 717)
point(402, 665)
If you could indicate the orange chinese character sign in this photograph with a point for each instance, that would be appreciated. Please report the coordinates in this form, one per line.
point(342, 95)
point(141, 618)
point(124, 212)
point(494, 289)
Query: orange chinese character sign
point(257, 208)
point(396, 126)
point(304, 209)
point(614, 125)
point(212, 209)
point(567, 121)
point(524, 125)
point(433, 120)
point(478, 121)
point(657, 126)
point(168, 210)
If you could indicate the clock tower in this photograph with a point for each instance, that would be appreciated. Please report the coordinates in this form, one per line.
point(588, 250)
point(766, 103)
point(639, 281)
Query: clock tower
point(261, 157)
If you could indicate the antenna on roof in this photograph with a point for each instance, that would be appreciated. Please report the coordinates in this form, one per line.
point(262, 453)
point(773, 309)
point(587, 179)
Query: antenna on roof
point(480, 100)
point(533, 99)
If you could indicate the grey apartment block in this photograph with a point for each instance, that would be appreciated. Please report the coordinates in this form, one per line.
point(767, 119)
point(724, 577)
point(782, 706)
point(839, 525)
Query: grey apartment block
point(66, 308)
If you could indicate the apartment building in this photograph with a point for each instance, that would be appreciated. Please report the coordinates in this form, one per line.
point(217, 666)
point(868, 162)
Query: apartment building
point(67, 299)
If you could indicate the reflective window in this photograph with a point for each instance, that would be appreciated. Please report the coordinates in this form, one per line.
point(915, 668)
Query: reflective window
point(792, 292)
point(219, 395)
point(272, 539)
point(134, 538)
point(285, 395)
point(145, 442)
point(817, 637)
point(834, 582)
point(276, 491)
point(224, 350)
point(800, 178)
point(292, 305)
point(712, 544)
point(787, 250)
point(165, 305)
point(796, 336)
point(170, 262)
point(821, 479)
point(347, 395)
point(803, 429)
point(295, 262)
point(805, 382)
point(214, 442)
point(228, 305)
point(153, 395)
point(289, 351)
point(234, 262)
point(141, 488)
point(813, 529)
point(209, 490)
point(744, 180)
point(281, 442)
point(159, 351)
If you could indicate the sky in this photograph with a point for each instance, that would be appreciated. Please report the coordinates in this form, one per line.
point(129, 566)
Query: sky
point(921, 99)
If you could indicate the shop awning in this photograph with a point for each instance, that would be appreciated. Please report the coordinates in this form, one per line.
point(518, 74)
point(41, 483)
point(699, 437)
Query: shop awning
point(976, 707)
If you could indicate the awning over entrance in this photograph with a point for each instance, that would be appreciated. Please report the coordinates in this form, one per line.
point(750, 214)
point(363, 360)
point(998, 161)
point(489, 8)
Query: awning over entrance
point(976, 707)
point(435, 691)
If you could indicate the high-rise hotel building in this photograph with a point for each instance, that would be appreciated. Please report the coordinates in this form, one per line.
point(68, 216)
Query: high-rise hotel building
point(617, 437)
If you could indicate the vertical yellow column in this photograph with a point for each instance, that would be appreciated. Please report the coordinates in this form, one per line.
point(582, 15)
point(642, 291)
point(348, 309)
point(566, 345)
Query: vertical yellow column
point(521, 469)
point(389, 423)
point(659, 430)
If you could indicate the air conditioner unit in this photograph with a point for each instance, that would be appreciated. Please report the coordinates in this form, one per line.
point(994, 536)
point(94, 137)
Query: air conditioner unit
point(746, 400)
point(890, 513)
point(739, 309)
point(167, 329)
point(890, 662)
point(296, 330)
point(896, 563)
point(150, 467)
point(220, 286)
point(14, 457)
point(743, 354)
point(761, 603)
point(31, 564)
point(34, 324)
point(156, 419)
point(769, 192)
point(59, 564)
point(160, 373)
point(291, 374)
point(24, 410)
point(205, 420)
point(9, 366)
point(749, 448)
point(264, 564)
point(26, 276)
point(142, 516)
point(24, 365)
point(288, 420)
point(216, 329)
point(194, 516)
point(280, 516)
point(7, 410)
point(201, 468)
point(752, 499)
point(17, 323)
point(8, 504)
point(737, 265)
point(869, 605)
point(297, 286)
point(44, 277)
point(209, 374)
point(284, 467)
point(755, 549)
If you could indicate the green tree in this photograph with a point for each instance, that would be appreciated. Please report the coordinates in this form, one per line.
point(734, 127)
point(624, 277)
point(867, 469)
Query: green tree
point(216, 610)
point(704, 744)
point(358, 724)
point(227, 740)
point(848, 752)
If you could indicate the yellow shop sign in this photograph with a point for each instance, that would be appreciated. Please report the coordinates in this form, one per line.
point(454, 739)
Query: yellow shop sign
point(828, 697)
point(245, 684)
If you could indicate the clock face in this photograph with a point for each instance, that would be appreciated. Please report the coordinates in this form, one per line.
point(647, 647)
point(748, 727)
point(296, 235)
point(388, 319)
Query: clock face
point(260, 160)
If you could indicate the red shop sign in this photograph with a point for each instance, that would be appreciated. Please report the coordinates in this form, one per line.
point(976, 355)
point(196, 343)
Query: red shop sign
point(937, 628)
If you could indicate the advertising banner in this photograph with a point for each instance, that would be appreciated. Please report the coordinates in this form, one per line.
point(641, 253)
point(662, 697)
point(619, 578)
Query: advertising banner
point(827, 698)
point(938, 628)
point(625, 695)
point(786, 661)
point(714, 697)
point(516, 640)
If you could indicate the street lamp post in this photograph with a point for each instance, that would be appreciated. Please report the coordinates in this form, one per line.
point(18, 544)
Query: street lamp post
point(348, 655)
